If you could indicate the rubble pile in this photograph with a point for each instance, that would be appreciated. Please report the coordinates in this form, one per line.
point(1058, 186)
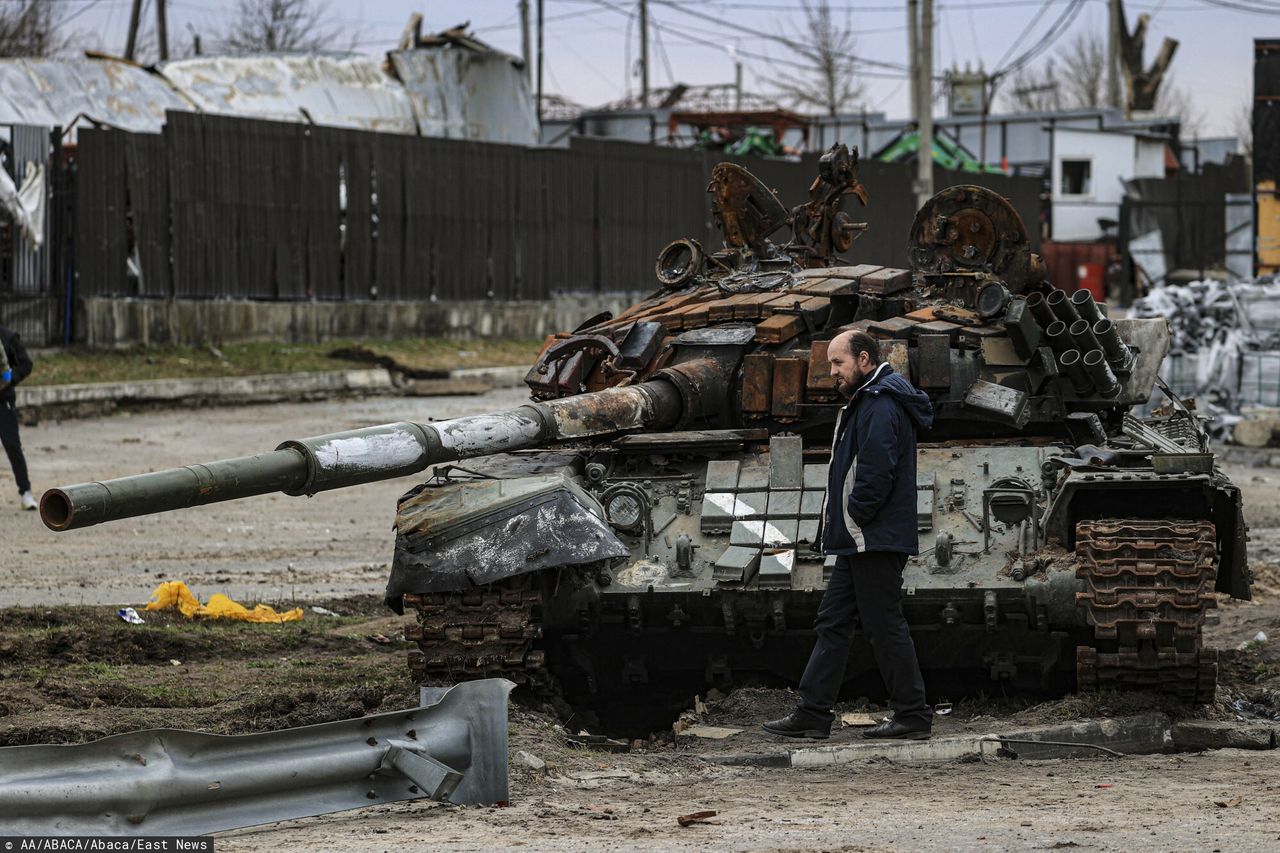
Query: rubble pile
point(1204, 313)
point(1225, 340)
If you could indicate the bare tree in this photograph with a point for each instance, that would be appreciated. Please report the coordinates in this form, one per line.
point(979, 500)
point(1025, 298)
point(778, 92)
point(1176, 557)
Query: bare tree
point(832, 84)
point(1173, 101)
point(1083, 72)
point(1033, 90)
point(29, 29)
point(272, 25)
point(1242, 125)
point(1074, 78)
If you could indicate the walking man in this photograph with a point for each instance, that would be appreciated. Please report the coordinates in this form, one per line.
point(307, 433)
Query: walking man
point(15, 366)
point(869, 524)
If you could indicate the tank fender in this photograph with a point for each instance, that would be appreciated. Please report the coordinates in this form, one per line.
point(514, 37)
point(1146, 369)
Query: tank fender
point(459, 536)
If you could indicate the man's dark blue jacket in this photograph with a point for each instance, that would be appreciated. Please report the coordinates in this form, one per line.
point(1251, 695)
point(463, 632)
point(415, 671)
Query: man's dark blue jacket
point(871, 484)
point(19, 362)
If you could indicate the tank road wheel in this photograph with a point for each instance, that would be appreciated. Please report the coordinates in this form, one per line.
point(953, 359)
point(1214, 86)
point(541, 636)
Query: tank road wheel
point(482, 633)
point(1148, 585)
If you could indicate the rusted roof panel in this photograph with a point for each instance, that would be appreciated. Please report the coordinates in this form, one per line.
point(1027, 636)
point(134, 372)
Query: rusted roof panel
point(328, 89)
point(60, 92)
point(467, 94)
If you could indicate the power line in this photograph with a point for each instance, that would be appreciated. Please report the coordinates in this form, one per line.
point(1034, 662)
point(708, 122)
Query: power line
point(682, 33)
point(662, 49)
point(764, 57)
point(1055, 31)
point(791, 43)
point(1013, 45)
point(1248, 8)
point(546, 20)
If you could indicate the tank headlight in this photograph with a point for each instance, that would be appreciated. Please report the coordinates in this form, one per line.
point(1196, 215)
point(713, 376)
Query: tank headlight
point(624, 511)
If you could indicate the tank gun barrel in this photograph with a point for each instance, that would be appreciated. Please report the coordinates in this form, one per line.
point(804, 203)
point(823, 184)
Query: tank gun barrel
point(310, 465)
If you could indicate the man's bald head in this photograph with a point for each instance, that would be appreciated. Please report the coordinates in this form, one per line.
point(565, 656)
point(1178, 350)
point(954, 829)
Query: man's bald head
point(853, 356)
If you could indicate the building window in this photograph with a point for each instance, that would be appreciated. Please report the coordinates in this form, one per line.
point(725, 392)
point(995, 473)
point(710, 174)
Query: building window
point(1077, 177)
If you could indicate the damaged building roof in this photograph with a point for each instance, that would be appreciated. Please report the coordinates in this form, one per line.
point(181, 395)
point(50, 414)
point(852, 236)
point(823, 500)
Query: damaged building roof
point(70, 92)
point(448, 84)
point(339, 90)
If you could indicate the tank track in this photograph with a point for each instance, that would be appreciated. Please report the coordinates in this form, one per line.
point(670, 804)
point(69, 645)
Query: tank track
point(1148, 585)
point(482, 633)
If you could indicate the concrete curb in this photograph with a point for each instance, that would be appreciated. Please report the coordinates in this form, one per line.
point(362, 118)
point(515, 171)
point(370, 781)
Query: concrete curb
point(1138, 735)
point(96, 398)
point(498, 377)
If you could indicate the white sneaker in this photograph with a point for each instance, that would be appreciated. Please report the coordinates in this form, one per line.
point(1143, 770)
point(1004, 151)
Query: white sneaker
point(29, 501)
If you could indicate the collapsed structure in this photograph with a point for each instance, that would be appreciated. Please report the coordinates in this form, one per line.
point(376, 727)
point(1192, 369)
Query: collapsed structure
point(449, 85)
point(648, 525)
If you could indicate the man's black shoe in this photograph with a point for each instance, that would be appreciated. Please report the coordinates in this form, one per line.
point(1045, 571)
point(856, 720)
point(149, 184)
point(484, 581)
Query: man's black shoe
point(797, 726)
point(897, 730)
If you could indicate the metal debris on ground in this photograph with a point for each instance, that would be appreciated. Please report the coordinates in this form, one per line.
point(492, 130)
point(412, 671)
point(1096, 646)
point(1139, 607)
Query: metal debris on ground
point(173, 782)
point(698, 817)
point(128, 614)
point(529, 760)
point(1255, 709)
point(711, 732)
point(582, 740)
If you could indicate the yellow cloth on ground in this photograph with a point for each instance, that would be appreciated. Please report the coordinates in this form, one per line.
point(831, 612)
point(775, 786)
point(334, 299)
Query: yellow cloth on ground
point(175, 594)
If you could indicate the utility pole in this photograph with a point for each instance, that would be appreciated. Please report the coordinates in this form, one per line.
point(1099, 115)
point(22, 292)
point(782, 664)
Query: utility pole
point(913, 52)
point(162, 30)
point(1116, 24)
point(644, 54)
point(525, 50)
point(130, 48)
point(923, 63)
point(539, 95)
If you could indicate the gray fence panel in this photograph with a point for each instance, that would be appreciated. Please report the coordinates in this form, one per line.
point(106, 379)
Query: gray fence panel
point(147, 180)
point(101, 214)
point(194, 247)
point(267, 210)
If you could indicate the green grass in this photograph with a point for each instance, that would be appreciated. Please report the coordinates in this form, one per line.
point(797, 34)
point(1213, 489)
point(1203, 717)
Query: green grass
point(247, 359)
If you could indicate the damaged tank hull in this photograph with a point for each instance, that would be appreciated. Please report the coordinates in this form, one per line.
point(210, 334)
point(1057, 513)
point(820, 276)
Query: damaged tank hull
point(1063, 543)
point(646, 527)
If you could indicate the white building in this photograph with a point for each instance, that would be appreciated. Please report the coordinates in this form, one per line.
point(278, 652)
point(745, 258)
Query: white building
point(1089, 168)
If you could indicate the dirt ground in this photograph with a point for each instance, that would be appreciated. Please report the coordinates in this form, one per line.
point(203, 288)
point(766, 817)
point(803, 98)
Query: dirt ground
point(270, 547)
point(71, 671)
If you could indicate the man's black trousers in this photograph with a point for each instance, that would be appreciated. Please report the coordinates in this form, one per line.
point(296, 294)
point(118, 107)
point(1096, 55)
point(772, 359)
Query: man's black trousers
point(12, 446)
point(865, 588)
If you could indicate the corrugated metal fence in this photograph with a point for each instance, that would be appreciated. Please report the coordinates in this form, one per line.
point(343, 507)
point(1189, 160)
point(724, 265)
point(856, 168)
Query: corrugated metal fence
point(31, 296)
point(220, 207)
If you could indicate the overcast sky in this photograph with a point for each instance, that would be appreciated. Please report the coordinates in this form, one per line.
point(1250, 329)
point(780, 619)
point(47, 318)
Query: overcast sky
point(591, 45)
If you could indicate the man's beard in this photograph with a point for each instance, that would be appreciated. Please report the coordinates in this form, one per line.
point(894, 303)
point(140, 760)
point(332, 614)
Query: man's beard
point(848, 389)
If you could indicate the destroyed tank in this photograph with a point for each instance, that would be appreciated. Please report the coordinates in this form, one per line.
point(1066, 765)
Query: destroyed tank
point(645, 528)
